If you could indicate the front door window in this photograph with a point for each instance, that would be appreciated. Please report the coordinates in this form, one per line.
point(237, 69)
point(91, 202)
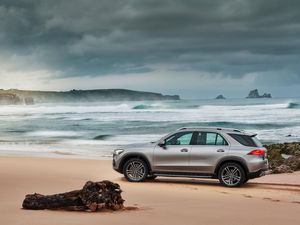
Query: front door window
point(183, 138)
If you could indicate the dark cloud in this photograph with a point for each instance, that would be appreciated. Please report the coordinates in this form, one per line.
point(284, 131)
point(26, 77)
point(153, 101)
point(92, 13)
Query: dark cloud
point(97, 37)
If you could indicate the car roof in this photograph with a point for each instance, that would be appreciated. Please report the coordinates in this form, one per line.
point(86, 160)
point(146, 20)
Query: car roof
point(220, 129)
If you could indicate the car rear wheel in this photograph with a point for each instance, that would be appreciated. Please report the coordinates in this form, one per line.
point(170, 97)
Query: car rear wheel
point(231, 175)
point(135, 170)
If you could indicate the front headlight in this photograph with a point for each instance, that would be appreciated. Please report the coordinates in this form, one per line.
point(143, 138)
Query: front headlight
point(118, 151)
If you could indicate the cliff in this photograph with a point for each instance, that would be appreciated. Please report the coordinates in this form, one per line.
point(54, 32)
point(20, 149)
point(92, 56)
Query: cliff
point(9, 99)
point(29, 97)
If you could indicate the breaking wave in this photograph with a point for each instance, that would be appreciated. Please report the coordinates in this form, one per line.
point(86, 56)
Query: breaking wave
point(293, 105)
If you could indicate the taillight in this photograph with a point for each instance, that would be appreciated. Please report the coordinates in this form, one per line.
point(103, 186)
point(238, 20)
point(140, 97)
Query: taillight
point(257, 152)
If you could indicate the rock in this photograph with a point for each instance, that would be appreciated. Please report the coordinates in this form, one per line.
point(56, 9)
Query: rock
point(255, 94)
point(293, 162)
point(94, 196)
point(266, 95)
point(282, 169)
point(284, 157)
point(220, 97)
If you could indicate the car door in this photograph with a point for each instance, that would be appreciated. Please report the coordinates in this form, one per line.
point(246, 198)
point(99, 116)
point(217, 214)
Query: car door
point(207, 149)
point(173, 156)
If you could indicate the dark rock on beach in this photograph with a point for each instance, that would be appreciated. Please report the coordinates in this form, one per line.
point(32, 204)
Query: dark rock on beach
point(94, 196)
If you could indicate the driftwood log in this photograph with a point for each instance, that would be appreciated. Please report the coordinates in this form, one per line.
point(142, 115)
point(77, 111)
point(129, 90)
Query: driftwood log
point(94, 196)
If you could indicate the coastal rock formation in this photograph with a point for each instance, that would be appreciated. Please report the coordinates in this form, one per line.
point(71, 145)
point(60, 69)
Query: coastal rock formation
point(282, 169)
point(284, 158)
point(88, 95)
point(94, 196)
point(220, 97)
point(9, 99)
point(266, 95)
point(255, 94)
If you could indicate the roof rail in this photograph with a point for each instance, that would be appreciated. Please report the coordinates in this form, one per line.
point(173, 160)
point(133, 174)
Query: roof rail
point(236, 130)
point(184, 128)
point(217, 128)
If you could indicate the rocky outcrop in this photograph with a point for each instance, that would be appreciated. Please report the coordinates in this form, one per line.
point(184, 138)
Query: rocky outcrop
point(9, 99)
point(255, 94)
point(282, 169)
point(220, 97)
point(284, 158)
point(266, 95)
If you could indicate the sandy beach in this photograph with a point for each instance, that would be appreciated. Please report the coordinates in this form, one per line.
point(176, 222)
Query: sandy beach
point(274, 199)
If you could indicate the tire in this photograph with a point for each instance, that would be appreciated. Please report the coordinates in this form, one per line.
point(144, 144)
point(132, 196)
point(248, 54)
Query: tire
point(231, 175)
point(246, 180)
point(135, 170)
point(151, 177)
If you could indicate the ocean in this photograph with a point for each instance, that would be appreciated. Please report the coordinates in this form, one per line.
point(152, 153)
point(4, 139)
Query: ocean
point(93, 130)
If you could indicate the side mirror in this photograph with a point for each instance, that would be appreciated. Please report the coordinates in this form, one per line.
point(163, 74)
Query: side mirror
point(162, 144)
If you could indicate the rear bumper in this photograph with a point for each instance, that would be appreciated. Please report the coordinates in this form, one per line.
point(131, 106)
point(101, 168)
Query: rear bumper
point(257, 174)
point(256, 164)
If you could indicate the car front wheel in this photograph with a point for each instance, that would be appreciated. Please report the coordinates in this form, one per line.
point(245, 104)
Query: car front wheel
point(135, 170)
point(231, 175)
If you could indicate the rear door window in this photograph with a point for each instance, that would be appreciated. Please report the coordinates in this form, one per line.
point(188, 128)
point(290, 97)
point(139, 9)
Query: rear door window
point(209, 138)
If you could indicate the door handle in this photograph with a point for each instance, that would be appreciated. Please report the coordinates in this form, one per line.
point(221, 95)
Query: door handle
point(220, 150)
point(184, 150)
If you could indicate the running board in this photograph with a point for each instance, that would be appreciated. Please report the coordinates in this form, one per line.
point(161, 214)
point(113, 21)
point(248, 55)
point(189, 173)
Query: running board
point(182, 175)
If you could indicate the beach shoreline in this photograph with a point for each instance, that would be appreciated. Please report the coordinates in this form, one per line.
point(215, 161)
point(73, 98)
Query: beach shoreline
point(273, 199)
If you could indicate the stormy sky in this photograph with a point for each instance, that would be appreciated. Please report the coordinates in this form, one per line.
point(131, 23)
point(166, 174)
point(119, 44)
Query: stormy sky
point(195, 48)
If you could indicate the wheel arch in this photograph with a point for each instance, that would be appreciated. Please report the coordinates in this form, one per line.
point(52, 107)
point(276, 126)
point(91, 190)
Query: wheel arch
point(233, 159)
point(132, 156)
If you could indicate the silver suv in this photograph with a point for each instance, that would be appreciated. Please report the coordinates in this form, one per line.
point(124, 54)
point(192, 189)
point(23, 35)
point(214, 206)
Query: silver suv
point(230, 155)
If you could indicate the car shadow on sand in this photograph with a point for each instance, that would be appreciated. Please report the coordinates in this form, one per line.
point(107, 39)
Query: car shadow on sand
point(196, 182)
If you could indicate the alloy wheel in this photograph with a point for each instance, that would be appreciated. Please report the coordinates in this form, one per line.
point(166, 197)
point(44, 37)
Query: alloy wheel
point(231, 175)
point(135, 171)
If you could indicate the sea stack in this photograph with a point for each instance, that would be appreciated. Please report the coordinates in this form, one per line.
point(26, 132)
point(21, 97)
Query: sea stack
point(220, 97)
point(255, 94)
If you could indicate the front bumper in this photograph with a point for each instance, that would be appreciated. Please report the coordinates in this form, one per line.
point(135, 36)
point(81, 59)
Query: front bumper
point(115, 164)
